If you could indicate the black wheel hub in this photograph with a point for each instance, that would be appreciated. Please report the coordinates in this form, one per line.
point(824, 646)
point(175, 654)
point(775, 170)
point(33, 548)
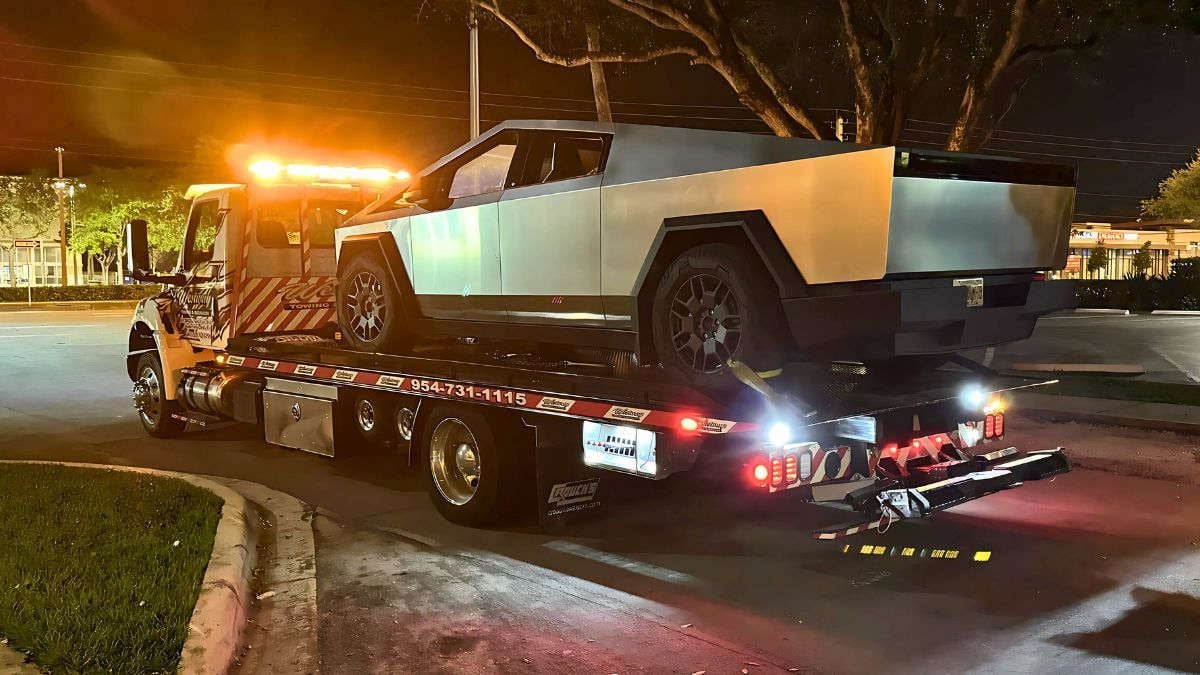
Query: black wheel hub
point(705, 323)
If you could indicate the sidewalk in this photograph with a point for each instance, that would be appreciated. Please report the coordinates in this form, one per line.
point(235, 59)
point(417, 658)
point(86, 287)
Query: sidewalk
point(1155, 416)
point(68, 305)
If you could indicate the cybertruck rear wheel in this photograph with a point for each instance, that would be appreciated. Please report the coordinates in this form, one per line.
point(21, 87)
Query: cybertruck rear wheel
point(715, 303)
point(369, 311)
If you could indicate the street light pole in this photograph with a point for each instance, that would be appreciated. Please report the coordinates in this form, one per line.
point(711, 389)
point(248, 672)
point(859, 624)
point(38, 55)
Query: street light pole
point(473, 24)
point(59, 188)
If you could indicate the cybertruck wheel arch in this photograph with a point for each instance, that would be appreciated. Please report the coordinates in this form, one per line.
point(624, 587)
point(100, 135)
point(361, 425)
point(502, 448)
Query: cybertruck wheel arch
point(750, 229)
point(383, 243)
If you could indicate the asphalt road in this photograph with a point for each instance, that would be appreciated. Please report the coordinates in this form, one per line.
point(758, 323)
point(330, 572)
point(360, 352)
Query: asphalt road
point(1088, 572)
point(1167, 346)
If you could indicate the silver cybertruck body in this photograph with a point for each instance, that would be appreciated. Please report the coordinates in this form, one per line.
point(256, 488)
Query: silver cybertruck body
point(561, 232)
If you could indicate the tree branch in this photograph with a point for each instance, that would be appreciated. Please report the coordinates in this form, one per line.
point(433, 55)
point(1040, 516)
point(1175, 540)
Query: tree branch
point(613, 56)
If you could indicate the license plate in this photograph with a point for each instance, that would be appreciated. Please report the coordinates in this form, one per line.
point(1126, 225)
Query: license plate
point(974, 290)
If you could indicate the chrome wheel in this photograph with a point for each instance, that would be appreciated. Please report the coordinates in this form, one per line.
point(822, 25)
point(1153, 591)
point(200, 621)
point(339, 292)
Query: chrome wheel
point(406, 421)
point(454, 461)
point(364, 413)
point(147, 396)
point(367, 306)
point(705, 323)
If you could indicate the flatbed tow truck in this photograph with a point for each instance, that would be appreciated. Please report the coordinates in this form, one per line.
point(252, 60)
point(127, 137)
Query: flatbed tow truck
point(496, 432)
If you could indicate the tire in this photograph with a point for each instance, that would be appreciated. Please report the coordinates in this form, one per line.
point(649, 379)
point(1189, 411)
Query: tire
point(374, 419)
point(445, 429)
point(714, 303)
point(154, 410)
point(369, 310)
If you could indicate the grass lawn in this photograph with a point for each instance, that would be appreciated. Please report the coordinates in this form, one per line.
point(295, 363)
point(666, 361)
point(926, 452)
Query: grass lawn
point(100, 570)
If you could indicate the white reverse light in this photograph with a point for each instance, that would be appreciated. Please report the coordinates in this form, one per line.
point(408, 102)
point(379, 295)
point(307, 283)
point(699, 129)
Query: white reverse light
point(779, 434)
point(974, 397)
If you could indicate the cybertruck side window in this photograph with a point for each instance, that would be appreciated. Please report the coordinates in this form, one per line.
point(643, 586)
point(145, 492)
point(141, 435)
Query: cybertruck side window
point(561, 156)
point(483, 174)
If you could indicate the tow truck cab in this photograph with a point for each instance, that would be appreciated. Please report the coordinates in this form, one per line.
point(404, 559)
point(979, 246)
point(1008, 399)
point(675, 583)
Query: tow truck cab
point(255, 259)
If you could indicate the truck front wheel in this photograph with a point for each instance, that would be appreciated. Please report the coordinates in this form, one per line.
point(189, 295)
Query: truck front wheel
point(155, 411)
point(468, 474)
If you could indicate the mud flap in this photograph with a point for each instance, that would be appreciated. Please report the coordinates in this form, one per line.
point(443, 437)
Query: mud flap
point(566, 487)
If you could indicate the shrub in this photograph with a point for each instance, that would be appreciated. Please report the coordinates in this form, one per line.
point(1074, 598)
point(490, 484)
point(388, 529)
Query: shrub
point(68, 293)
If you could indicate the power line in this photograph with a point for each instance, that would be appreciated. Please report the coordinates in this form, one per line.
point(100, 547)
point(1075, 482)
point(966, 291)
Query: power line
point(1073, 138)
point(228, 98)
point(1054, 143)
point(1050, 154)
point(97, 154)
point(373, 83)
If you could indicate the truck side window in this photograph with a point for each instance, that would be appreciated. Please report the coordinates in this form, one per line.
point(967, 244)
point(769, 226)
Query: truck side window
point(323, 217)
point(560, 156)
point(483, 174)
point(202, 231)
point(278, 225)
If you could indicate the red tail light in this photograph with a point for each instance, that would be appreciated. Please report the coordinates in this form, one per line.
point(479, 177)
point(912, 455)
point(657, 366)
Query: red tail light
point(989, 426)
point(791, 469)
point(999, 424)
point(759, 472)
point(1039, 276)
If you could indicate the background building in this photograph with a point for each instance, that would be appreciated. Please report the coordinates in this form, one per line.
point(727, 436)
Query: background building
point(1169, 240)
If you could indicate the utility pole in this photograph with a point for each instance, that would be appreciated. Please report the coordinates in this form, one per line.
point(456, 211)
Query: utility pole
point(473, 24)
point(60, 187)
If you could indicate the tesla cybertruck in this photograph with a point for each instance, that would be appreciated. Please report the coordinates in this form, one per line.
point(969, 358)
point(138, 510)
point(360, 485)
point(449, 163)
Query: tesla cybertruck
point(690, 248)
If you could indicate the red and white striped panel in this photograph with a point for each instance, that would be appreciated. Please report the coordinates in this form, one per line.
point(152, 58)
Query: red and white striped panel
point(498, 396)
point(262, 307)
point(819, 474)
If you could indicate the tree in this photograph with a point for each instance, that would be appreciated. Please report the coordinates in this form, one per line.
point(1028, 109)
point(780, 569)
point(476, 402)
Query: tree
point(111, 199)
point(1142, 261)
point(1178, 195)
point(779, 56)
point(1098, 260)
point(28, 210)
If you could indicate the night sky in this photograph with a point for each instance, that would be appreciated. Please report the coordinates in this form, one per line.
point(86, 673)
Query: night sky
point(385, 81)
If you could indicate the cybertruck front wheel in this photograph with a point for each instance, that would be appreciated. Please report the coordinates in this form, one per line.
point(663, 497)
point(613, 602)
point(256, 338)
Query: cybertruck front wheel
point(369, 311)
point(713, 304)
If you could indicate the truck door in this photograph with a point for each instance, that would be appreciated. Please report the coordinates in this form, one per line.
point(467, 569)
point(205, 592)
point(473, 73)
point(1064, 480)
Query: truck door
point(202, 303)
point(550, 230)
point(455, 235)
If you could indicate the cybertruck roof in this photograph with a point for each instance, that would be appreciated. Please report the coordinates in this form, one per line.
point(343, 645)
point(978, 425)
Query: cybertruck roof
point(647, 152)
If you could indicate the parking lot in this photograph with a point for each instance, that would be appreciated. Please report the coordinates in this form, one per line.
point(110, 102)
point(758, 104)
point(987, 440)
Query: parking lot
point(1090, 571)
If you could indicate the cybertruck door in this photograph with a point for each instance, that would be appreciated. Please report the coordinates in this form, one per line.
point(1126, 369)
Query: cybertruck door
point(550, 230)
point(456, 240)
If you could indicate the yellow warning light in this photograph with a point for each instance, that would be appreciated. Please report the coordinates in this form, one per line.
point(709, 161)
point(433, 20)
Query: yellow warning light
point(270, 170)
point(983, 556)
point(995, 405)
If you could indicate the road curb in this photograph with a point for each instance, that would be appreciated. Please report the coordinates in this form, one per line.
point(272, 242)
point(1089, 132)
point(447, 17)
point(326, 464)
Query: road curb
point(216, 625)
point(68, 305)
point(1175, 312)
point(1113, 420)
point(1091, 368)
point(1110, 312)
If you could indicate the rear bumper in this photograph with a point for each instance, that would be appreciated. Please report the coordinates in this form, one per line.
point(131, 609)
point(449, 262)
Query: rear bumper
point(921, 316)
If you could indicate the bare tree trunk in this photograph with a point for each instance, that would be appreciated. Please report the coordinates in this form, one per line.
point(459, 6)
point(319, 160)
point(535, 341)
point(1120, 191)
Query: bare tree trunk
point(599, 83)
